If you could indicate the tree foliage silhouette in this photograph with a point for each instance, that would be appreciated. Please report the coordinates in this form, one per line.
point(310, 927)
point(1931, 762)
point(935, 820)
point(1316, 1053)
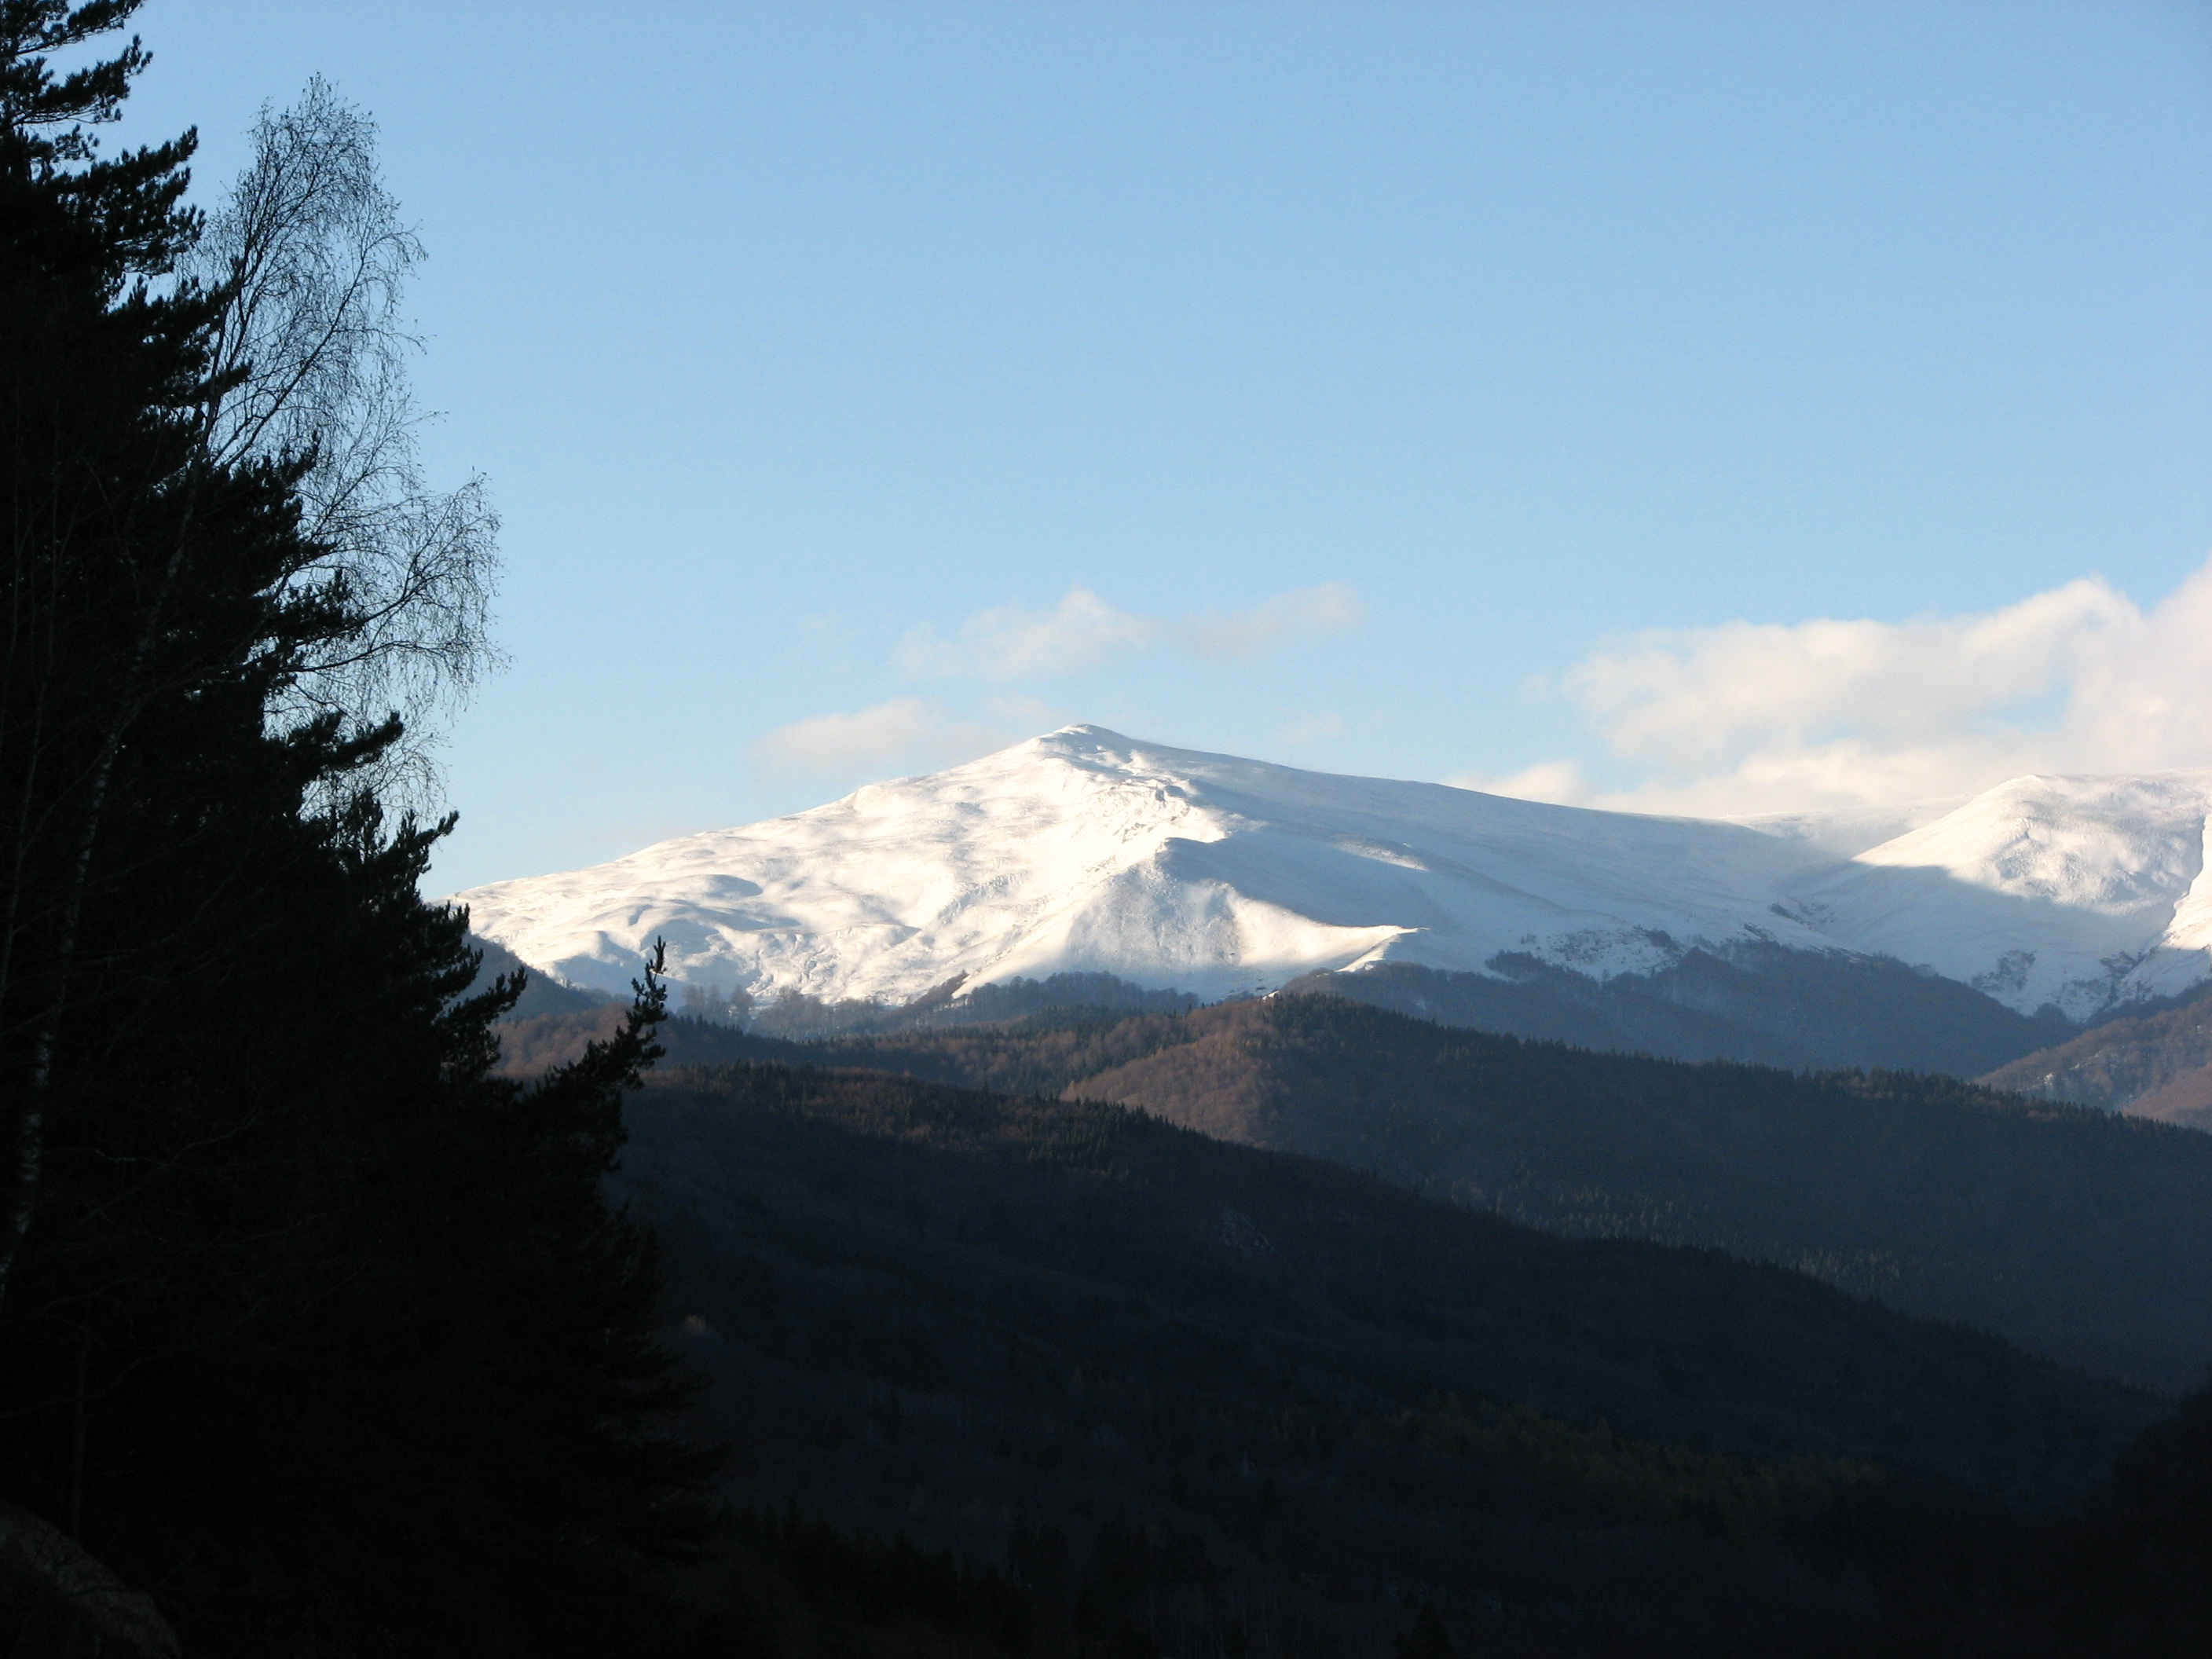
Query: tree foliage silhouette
point(311, 1326)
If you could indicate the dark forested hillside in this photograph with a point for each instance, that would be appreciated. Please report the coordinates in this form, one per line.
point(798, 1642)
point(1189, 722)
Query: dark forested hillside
point(1228, 1400)
point(1754, 1002)
point(2077, 1234)
point(1758, 1003)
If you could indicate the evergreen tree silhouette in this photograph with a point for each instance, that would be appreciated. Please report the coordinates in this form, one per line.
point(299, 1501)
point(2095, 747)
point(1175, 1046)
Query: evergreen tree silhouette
point(309, 1326)
point(1425, 1638)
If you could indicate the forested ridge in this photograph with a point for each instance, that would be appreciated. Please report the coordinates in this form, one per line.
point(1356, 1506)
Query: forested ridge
point(2079, 1233)
point(975, 1322)
point(2155, 1063)
point(1758, 1002)
point(1153, 1393)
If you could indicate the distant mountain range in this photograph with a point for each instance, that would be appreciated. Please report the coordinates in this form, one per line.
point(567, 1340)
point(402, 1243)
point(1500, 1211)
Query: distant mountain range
point(1952, 936)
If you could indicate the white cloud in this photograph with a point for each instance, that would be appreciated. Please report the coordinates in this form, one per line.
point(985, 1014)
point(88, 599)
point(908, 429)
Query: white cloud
point(1330, 608)
point(1313, 728)
point(904, 729)
point(1012, 642)
point(1747, 717)
point(1559, 781)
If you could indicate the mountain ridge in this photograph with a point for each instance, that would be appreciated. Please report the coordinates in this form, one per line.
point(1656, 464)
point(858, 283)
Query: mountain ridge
point(2076, 1233)
point(1085, 851)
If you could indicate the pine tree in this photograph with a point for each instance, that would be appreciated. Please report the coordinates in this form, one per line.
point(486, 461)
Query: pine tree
point(308, 1324)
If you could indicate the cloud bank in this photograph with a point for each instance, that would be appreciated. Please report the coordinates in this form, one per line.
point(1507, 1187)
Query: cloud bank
point(1083, 632)
point(904, 728)
point(1012, 642)
point(1750, 718)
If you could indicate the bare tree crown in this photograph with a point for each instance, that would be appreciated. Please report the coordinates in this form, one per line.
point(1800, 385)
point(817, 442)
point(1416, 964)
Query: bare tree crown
point(313, 257)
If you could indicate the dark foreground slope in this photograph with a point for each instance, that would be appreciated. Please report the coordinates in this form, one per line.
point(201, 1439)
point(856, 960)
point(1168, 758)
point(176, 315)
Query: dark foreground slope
point(1200, 1388)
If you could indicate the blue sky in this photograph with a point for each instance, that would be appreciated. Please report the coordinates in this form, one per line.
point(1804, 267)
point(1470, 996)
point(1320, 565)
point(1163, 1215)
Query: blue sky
point(1485, 392)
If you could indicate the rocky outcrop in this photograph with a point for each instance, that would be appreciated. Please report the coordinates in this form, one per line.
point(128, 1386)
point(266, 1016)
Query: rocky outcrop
point(55, 1599)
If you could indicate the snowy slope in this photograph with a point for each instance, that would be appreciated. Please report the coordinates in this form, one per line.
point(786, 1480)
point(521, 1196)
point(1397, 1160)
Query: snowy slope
point(2077, 892)
point(1852, 830)
point(1084, 850)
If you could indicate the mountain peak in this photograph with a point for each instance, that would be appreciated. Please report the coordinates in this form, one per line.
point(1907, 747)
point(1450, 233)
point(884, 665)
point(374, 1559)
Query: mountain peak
point(1085, 850)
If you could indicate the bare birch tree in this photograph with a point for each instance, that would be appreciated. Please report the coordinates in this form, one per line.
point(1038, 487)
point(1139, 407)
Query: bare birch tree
point(313, 257)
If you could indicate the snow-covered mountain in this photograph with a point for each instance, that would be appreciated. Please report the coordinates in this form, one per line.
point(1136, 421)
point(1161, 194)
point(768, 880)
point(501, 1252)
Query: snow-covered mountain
point(1086, 851)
